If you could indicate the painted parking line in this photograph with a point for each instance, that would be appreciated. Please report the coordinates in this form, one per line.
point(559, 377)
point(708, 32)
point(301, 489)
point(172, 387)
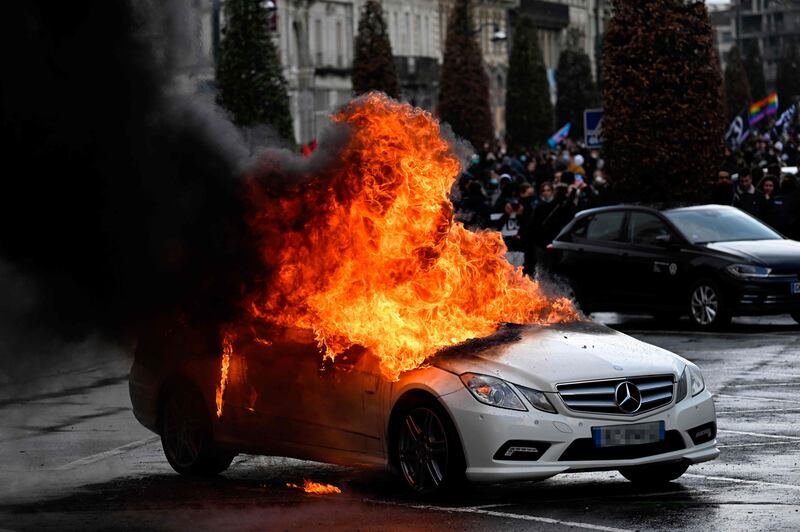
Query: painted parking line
point(86, 460)
point(484, 510)
point(767, 399)
point(760, 434)
point(743, 481)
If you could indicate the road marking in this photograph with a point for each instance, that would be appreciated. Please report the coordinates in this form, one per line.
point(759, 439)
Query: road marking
point(761, 411)
point(768, 399)
point(760, 435)
point(507, 515)
point(762, 444)
point(86, 460)
point(762, 384)
point(744, 481)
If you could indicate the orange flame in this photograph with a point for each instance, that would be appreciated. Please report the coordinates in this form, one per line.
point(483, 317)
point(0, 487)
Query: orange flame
point(315, 487)
point(227, 351)
point(369, 254)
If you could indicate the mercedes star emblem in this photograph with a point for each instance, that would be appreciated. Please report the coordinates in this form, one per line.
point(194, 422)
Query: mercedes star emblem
point(628, 397)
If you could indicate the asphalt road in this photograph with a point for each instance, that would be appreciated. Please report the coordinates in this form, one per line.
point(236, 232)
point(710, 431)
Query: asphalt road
point(73, 457)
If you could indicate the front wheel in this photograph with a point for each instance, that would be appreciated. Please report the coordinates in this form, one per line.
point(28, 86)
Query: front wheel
point(186, 435)
point(655, 474)
point(707, 305)
point(427, 450)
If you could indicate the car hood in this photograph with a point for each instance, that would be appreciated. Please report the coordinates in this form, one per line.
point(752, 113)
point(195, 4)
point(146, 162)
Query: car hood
point(542, 356)
point(773, 253)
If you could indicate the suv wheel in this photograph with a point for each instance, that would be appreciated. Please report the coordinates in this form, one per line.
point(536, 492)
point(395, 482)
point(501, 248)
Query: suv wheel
point(186, 435)
point(655, 474)
point(707, 305)
point(427, 451)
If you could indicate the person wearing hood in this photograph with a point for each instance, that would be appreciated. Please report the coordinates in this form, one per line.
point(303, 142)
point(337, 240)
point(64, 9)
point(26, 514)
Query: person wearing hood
point(746, 197)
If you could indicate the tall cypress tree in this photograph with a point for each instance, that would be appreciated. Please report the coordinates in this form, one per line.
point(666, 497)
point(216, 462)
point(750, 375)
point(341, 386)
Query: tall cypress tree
point(787, 80)
point(250, 81)
point(664, 123)
point(737, 87)
point(373, 66)
point(576, 88)
point(755, 73)
point(464, 90)
point(529, 113)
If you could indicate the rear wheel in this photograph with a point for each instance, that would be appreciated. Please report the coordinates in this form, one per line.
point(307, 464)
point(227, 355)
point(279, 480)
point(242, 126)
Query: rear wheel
point(186, 435)
point(654, 474)
point(427, 450)
point(707, 305)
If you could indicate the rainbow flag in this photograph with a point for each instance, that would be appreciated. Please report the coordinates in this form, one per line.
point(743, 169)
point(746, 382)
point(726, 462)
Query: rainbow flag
point(559, 135)
point(760, 109)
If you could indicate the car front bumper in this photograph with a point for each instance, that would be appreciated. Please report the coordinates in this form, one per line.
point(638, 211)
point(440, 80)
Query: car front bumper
point(484, 430)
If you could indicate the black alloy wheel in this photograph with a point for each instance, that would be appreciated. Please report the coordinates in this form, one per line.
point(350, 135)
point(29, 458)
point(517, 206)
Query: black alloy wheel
point(186, 435)
point(655, 474)
point(796, 316)
point(707, 308)
point(428, 452)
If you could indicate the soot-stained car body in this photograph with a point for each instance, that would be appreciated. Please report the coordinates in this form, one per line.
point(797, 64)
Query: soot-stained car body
point(710, 262)
point(528, 402)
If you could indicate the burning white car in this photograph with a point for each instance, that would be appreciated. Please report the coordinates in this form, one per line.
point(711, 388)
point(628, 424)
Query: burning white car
point(528, 402)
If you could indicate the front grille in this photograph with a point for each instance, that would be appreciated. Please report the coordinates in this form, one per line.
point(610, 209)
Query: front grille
point(597, 397)
point(584, 449)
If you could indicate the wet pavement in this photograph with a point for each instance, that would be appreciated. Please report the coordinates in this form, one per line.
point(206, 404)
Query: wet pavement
point(73, 457)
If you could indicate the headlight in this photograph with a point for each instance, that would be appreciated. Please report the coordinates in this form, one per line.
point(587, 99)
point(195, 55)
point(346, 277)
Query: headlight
point(492, 391)
point(749, 271)
point(538, 399)
point(691, 380)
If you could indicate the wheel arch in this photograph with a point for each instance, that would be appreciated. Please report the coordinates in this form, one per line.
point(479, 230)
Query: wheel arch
point(174, 381)
point(409, 396)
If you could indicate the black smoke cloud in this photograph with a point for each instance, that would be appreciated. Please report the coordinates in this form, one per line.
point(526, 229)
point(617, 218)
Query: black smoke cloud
point(118, 204)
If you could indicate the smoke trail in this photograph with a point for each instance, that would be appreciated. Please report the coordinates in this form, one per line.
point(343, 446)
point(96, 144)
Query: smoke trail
point(120, 201)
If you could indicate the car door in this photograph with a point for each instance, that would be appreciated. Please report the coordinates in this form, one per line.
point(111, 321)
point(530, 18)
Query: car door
point(597, 247)
point(293, 396)
point(654, 266)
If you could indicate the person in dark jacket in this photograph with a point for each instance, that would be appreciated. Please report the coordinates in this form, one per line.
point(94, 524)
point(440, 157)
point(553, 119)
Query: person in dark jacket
point(747, 198)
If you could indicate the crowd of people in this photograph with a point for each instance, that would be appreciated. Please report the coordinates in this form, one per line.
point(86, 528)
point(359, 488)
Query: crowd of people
point(531, 196)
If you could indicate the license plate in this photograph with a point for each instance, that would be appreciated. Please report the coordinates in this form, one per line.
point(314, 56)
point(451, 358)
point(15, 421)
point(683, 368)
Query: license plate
point(618, 435)
point(795, 288)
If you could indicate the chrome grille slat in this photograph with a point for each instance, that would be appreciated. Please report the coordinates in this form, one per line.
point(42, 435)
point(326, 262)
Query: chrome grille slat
point(587, 391)
point(657, 397)
point(598, 396)
point(654, 385)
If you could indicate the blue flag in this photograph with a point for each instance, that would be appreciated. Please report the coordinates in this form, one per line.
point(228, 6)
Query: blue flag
point(559, 135)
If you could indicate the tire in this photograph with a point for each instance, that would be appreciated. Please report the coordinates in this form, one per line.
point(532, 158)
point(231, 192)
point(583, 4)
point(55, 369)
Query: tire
point(796, 316)
point(426, 449)
point(655, 474)
point(707, 305)
point(186, 435)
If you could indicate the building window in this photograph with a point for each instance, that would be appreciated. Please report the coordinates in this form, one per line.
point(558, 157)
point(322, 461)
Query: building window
point(416, 36)
point(407, 42)
point(318, 40)
point(339, 45)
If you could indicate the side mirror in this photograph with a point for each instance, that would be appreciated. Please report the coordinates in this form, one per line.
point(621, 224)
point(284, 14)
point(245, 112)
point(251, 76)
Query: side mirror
point(667, 241)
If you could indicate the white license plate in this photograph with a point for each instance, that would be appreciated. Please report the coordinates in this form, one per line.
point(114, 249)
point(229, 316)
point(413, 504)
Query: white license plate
point(795, 288)
point(617, 435)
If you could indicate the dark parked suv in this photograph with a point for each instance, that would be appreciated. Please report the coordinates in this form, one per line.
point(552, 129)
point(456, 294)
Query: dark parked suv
point(711, 262)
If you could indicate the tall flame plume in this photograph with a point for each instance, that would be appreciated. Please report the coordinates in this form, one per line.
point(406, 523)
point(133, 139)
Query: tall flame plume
point(369, 254)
